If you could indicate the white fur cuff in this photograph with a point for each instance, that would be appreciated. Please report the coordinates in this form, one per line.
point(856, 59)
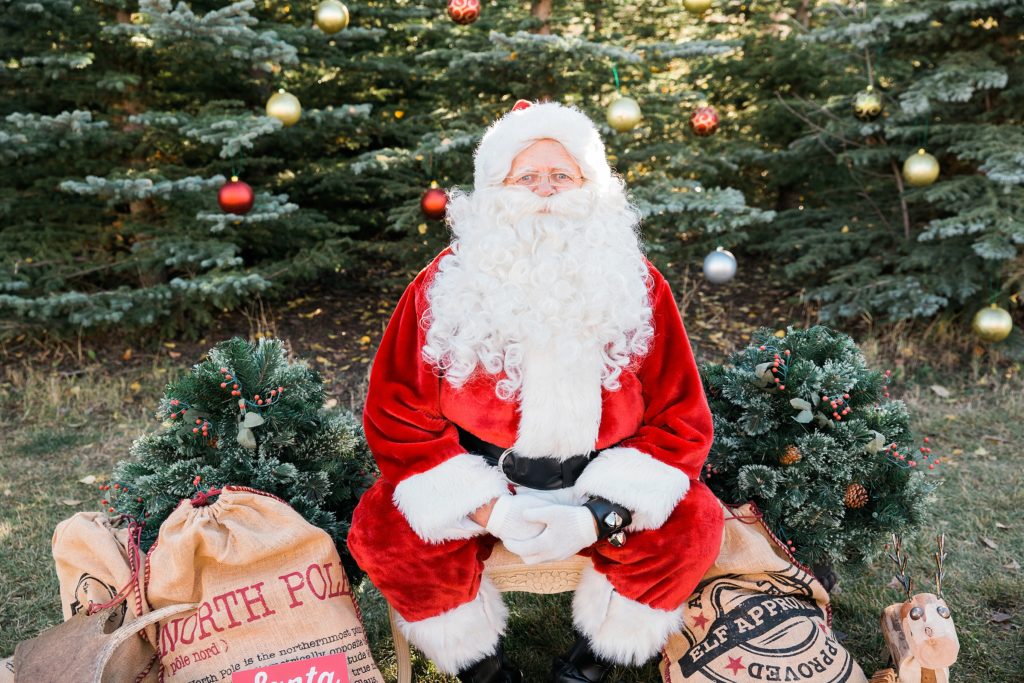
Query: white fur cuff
point(461, 636)
point(649, 488)
point(620, 630)
point(436, 502)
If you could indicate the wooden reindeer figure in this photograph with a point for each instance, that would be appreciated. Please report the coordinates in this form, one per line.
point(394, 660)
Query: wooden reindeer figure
point(919, 631)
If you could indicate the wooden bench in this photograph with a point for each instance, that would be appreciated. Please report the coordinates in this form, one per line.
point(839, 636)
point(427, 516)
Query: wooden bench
point(508, 573)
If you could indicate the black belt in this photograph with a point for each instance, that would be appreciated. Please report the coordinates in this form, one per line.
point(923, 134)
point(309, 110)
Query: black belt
point(545, 474)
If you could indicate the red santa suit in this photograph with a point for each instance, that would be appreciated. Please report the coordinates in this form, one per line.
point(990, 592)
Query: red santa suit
point(408, 532)
point(652, 432)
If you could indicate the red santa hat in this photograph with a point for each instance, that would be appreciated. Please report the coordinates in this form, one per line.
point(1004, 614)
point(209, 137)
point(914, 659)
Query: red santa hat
point(528, 122)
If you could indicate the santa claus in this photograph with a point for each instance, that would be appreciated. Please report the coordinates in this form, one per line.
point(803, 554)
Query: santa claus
point(536, 386)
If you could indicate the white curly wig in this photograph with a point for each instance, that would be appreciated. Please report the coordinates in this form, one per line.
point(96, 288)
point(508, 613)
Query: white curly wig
point(563, 273)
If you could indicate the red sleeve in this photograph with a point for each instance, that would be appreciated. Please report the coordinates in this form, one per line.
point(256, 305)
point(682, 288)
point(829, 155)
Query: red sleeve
point(437, 484)
point(650, 472)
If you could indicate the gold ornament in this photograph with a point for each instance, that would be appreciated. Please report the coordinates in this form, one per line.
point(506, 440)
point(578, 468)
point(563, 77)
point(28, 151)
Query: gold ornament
point(920, 169)
point(284, 107)
point(331, 16)
point(791, 456)
point(856, 496)
point(697, 6)
point(992, 324)
point(867, 104)
point(624, 114)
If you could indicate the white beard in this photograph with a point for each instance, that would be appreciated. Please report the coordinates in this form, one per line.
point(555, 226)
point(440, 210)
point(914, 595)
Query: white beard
point(554, 291)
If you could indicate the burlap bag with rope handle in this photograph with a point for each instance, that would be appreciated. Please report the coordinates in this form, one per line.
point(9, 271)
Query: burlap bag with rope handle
point(269, 586)
point(757, 615)
point(109, 631)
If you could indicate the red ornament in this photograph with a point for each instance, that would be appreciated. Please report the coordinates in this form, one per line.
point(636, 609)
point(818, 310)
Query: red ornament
point(236, 197)
point(464, 11)
point(434, 203)
point(704, 121)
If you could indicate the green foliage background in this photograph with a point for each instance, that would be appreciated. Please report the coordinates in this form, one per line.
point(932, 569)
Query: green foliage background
point(122, 118)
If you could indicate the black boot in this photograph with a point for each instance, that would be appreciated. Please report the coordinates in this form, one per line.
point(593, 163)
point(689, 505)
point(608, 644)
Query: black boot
point(495, 668)
point(579, 665)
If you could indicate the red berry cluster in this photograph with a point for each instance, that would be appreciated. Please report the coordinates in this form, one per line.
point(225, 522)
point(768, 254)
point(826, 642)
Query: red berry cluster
point(235, 389)
point(261, 401)
point(118, 493)
point(839, 405)
point(202, 426)
point(175, 413)
point(709, 470)
point(885, 384)
point(925, 451)
point(779, 367)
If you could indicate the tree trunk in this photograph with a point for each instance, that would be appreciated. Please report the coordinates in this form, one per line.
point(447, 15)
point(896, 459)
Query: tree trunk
point(542, 10)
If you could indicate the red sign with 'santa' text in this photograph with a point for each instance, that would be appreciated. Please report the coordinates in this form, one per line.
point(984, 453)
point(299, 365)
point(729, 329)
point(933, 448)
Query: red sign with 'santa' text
point(326, 669)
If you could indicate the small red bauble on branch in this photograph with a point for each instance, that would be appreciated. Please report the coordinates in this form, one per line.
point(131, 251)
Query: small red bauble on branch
point(236, 197)
point(704, 121)
point(434, 203)
point(464, 11)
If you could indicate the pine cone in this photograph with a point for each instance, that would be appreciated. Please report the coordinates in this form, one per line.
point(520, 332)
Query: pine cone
point(791, 456)
point(856, 496)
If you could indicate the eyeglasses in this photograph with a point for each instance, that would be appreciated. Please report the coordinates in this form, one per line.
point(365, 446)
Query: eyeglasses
point(557, 179)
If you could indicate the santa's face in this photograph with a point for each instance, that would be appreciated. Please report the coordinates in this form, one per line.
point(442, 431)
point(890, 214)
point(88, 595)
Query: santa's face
point(558, 269)
point(545, 168)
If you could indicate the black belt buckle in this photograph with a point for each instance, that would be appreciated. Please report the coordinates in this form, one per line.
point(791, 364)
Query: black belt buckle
point(545, 474)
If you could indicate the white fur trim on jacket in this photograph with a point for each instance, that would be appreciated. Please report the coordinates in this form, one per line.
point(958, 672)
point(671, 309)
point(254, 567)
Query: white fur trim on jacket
point(516, 130)
point(620, 630)
point(649, 488)
point(560, 408)
point(461, 636)
point(437, 502)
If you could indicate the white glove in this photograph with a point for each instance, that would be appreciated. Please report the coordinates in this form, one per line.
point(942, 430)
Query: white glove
point(570, 529)
point(506, 521)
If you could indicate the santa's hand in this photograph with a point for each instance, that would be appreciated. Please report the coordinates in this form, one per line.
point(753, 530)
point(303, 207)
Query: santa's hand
point(569, 529)
point(506, 521)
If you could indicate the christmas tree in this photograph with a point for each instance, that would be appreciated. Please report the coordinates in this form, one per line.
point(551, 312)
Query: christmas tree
point(133, 137)
point(808, 432)
point(247, 416)
point(864, 223)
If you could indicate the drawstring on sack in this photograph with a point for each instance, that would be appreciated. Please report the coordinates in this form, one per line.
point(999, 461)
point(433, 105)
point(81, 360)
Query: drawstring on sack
point(202, 499)
point(134, 558)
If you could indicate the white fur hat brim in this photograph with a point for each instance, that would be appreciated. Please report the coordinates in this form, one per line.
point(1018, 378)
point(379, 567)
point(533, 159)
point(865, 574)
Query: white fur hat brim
point(519, 128)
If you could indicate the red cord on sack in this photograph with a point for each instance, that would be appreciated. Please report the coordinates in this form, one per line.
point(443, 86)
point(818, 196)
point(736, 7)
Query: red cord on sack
point(134, 541)
point(202, 499)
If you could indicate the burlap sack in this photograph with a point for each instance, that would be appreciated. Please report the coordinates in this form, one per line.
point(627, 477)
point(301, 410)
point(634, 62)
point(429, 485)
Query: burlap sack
point(270, 588)
point(757, 615)
point(7, 670)
point(95, 561)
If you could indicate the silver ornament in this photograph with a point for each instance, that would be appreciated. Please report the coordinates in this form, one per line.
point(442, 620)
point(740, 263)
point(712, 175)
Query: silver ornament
point(719, 266)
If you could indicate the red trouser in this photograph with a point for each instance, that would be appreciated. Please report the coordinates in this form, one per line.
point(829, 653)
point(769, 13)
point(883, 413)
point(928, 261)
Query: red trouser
point(659, 568)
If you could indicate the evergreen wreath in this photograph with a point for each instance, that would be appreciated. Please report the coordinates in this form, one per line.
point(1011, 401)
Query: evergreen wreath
point(809, 433)
point(247, 416)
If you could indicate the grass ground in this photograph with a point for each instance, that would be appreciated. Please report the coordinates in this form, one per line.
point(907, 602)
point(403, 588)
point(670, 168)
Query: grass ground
point(60, 428)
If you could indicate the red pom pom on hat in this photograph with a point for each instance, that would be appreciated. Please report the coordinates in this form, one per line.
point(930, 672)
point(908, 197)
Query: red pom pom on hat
point(521, 104)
